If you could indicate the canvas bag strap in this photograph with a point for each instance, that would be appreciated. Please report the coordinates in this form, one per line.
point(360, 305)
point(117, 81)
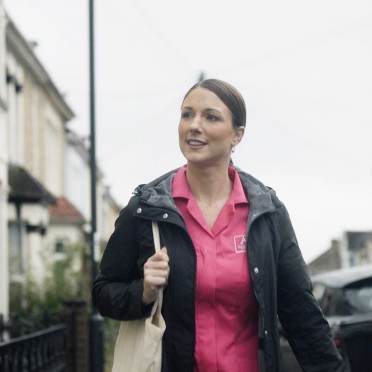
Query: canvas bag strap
point(159, 302)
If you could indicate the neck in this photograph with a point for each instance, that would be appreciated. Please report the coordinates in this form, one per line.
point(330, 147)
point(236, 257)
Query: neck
point(209, 184)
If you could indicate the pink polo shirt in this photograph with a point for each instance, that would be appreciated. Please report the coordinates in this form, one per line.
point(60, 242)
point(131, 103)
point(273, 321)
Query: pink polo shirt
point(226, 314)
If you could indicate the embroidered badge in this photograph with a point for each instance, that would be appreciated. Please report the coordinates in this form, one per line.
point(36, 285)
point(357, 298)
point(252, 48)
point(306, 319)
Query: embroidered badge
point(240, 243)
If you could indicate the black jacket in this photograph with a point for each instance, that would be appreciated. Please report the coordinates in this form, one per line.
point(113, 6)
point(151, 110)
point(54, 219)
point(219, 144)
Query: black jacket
point(281, 284)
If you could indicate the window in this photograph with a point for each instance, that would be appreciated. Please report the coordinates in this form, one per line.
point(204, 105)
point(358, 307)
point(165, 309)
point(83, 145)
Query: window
point(359, 297)
point(60, 246)
point(15, 239)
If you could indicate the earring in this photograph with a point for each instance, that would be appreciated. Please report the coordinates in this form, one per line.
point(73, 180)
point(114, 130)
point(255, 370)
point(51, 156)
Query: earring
point(233, 148)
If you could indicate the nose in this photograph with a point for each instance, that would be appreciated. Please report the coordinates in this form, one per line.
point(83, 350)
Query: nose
point(195, 123)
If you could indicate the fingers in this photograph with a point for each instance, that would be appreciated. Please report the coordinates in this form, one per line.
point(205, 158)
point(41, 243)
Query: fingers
point(156, 281)
point(155, 273)
point(156, 265)
point(156, 268)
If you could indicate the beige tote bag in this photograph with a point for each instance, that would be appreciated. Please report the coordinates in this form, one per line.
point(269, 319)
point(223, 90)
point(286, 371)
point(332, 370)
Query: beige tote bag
point(138, 346)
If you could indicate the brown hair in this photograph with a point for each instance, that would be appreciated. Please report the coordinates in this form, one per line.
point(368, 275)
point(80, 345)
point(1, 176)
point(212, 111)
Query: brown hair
point(229, 95)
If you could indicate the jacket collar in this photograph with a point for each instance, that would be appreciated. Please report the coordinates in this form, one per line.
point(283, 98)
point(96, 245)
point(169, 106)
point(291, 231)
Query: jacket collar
point(261, 198)
point(158, 193)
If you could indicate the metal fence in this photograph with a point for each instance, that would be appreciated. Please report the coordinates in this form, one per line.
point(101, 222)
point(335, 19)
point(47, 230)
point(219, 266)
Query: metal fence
point(40, 351)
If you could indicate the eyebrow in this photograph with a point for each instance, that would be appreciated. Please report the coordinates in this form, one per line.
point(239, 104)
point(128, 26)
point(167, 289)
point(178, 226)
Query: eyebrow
point(207, 109)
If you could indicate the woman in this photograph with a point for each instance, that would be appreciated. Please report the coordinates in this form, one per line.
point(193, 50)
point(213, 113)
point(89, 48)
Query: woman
point(230, 263)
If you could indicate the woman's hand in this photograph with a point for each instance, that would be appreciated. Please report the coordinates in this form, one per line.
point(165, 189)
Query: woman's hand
point(155, 275)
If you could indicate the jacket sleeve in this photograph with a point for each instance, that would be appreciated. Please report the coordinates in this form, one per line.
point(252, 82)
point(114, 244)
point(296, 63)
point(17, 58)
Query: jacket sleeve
point(307, 330)
point(117, 290)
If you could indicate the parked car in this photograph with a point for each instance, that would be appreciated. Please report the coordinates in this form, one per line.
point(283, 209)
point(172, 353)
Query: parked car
point(345, 297)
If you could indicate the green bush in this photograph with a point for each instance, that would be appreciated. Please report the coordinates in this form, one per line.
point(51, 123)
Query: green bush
point(34, 306)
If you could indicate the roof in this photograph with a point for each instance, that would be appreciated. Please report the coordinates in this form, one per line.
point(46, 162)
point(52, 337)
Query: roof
point(344, 277)
point(63, 211)
point(24, 188)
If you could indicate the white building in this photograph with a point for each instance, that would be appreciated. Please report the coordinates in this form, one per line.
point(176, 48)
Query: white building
point(4, 294)
point(69, 216)
point(359, 246)
point(66, 237)
point(37, 116)
point(354, 248)
point(44, 171)
point(110, 212)
point(77, 173)
point(77, 188)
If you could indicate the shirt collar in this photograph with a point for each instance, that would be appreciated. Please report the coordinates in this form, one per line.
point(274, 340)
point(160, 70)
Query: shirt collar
point(181, 189)
point(237, 193)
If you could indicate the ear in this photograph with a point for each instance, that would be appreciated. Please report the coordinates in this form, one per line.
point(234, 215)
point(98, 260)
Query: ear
point(239, 133)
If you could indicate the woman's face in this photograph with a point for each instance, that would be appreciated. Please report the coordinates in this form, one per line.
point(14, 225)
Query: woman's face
point(206, 132)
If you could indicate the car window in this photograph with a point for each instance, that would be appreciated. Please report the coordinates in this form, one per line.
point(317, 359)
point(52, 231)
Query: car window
point(359, 296)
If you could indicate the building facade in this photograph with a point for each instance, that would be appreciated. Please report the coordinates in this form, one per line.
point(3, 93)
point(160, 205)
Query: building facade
point(44, 173)
point(354, 248)
point(36, 120)
point(4, 287)
point(77, 173)
point(328, 260)
point(77, 188)
point(359, 245)
point(110, 212)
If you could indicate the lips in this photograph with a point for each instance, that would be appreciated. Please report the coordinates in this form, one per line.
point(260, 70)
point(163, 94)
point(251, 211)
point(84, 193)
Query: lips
point(195, 142)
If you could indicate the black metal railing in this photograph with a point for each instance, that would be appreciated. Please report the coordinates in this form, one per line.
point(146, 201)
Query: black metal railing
point(37, 352)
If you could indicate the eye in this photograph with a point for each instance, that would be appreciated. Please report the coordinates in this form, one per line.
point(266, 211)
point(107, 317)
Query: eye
point(212, 117)
point(185, 115)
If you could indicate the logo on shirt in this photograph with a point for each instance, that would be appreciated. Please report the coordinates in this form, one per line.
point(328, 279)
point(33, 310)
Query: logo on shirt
point(240, 243)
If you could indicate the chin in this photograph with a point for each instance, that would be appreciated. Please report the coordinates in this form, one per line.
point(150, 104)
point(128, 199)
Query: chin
point(206, 162)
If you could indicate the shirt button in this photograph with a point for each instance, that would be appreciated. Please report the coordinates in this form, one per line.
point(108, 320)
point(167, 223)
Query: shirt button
point(165, 215)
point(256, 271)
point(139, 210)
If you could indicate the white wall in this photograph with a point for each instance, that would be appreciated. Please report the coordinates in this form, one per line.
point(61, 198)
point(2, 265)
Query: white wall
point(71, 234)
point(109, 215)
point(16, 122)
point(4, 287)
point(54, 143)
point(36, 130)
point(2, 51)
point(77, 180)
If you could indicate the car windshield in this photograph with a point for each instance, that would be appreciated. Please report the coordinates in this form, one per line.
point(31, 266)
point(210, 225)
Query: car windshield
point(359, 297)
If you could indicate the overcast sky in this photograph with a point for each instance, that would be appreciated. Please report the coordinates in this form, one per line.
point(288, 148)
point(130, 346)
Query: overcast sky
point(304, 69)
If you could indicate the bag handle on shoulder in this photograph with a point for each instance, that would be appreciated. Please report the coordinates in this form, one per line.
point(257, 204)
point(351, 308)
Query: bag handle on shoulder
point(155, 233)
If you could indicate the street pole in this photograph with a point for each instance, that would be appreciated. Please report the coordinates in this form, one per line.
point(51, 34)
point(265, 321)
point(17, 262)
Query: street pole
point(96, 333)
point(201, 76)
